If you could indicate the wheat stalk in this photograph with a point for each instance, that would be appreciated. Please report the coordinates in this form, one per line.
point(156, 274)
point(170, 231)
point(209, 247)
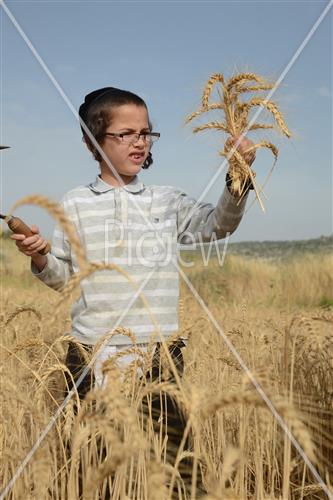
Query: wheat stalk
point(244, 77)
point(285, 409)
point(237, 120)
point(272, 107)
point(209, 107)
point(22, 309)
point(217, 77)
point(240, 89)
point(211, 125)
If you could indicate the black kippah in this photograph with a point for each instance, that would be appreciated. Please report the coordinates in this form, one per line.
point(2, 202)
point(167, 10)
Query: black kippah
point(91, 98)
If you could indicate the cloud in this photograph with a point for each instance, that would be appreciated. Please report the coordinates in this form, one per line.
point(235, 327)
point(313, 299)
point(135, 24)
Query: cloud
point(324, 91)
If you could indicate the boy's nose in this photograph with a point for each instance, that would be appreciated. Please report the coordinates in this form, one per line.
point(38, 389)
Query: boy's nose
point(140, 138)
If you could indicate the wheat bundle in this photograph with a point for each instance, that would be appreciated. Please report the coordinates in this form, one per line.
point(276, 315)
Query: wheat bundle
point(236, 122)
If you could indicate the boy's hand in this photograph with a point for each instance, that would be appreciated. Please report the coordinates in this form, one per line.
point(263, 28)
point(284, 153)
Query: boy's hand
point(30, 245)
point(243, 145)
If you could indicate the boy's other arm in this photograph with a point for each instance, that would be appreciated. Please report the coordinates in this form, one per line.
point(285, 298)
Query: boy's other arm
point(40, 261)
point(58, 268)
point(55, 272)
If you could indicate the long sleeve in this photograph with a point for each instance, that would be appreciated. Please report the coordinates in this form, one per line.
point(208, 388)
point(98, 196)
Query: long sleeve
point(207, 219)
point(59, 266)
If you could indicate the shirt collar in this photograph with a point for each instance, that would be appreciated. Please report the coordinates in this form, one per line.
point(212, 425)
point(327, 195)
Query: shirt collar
point(100, 186)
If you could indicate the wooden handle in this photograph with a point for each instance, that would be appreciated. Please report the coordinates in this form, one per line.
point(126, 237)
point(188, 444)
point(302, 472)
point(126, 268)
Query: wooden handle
point(17, 225)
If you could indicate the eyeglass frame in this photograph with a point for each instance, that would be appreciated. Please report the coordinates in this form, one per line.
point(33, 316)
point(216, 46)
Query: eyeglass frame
point(120, 136)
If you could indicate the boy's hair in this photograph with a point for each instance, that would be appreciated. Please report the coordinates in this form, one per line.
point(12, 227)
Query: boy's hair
point(96, 112)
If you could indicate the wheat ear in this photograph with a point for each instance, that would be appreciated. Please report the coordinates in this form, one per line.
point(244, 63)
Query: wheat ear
point(216, 77)
point(241, 77)
point(211, 125)
point(210, 107)
point(272, 107)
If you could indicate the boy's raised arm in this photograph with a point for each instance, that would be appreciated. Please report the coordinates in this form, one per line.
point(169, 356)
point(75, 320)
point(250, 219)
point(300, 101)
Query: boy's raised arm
point(208, 219)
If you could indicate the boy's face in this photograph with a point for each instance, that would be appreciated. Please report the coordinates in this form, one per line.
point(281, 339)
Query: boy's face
point(126, 158)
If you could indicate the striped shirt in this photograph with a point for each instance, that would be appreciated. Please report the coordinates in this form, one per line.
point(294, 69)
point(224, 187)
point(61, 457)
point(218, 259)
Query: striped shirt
point(139, 228)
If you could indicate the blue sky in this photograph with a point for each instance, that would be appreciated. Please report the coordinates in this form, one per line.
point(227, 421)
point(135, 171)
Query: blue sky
point(165, 52)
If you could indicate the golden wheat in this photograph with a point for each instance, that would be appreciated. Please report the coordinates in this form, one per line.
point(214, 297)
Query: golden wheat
point(236, 122)
point(238, 449)
point(209, 86)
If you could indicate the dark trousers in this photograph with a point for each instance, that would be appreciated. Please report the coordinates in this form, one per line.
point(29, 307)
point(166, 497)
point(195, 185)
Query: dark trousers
point(157, 404)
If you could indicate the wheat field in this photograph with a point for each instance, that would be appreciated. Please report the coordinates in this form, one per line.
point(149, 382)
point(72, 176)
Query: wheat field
point(278, 316)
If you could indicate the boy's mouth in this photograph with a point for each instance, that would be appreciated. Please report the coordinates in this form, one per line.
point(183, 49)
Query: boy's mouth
point(137, 157)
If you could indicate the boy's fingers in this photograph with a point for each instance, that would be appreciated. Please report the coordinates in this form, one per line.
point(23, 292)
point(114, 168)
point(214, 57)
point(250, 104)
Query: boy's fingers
point(33, 249)
point(36, 245)
point(20, 245)
point(231, 141)
point(243, 145)
point(30, 240)
point(42, 246)
point(29, 245)
point(18, 237)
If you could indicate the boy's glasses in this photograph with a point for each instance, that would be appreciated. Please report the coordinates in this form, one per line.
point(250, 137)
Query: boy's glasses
point(131, 138)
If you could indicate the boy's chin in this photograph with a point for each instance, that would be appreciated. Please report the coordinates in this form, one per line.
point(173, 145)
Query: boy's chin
point(132, 170)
